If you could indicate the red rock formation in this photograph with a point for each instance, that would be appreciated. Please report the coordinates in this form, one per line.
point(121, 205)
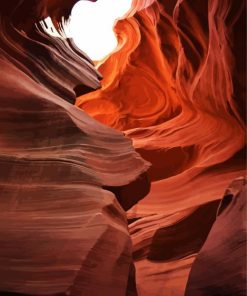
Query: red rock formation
point(220, 267)
point(175, 86)
point(60, 231)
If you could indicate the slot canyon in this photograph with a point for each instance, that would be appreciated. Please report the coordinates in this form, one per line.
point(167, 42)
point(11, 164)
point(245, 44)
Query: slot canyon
point(123, 161)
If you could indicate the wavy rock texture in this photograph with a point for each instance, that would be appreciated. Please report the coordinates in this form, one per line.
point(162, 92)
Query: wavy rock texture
point(61, 230)
point(176, 87)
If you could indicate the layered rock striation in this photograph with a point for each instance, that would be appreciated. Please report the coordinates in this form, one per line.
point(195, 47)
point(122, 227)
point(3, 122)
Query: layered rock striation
point(175, 87)
point(62, 230)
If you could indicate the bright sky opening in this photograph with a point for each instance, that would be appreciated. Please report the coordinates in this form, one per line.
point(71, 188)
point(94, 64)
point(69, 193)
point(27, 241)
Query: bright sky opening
point(92, 23)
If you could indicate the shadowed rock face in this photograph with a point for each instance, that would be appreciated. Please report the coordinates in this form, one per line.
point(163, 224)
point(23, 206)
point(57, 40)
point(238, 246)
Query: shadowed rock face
point(23, 12)
point(220, 266)
point(60, 231)
point(175, 86)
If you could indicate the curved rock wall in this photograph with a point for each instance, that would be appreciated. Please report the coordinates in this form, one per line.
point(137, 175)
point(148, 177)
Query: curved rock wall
point(175, 86)
point(61, 230)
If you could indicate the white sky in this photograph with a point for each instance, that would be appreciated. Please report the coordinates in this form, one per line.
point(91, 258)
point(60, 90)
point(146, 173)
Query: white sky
point(91, 25)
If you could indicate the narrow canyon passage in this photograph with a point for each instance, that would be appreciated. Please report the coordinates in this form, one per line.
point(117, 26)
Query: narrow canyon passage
point(122, 147)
